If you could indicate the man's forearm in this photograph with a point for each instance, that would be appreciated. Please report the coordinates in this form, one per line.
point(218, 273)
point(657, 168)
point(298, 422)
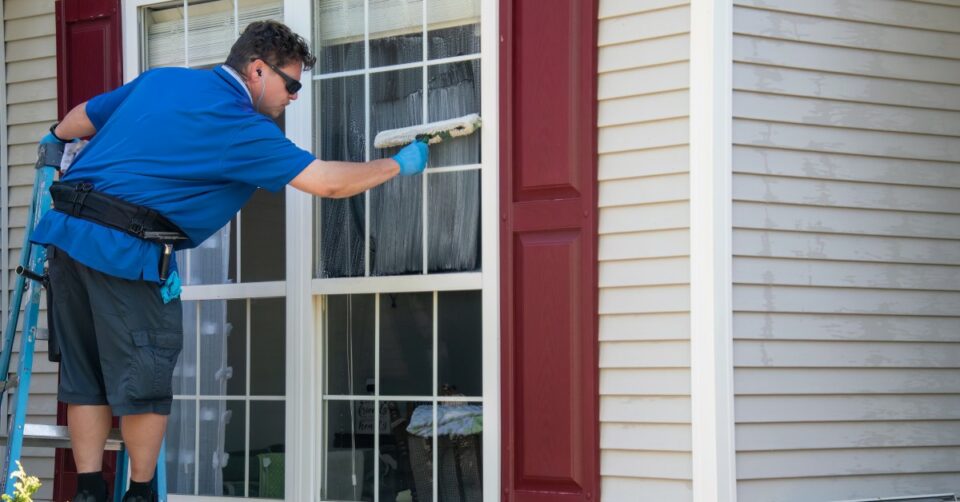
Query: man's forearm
point(336, 179)
point(76, 124)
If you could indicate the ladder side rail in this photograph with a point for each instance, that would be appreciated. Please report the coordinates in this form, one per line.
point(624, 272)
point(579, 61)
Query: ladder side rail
point(38, 256)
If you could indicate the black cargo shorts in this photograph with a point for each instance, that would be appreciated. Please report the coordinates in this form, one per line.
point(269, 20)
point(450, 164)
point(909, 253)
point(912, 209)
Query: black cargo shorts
point(118, 341)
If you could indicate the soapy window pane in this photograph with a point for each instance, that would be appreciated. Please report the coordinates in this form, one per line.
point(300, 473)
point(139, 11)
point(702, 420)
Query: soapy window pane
point(453, 28)
point(454, 221)
point(339, 35)
point(454, 91)
point(396, 32)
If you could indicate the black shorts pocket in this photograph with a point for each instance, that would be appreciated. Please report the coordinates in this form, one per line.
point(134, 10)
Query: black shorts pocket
point(151, 367)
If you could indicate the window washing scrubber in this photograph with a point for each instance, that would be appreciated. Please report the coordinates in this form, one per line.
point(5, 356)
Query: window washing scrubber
point(431, 133)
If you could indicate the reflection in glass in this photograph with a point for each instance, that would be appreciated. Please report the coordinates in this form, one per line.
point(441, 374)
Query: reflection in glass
point(258, 10)
point(339, 34)
point(223, 348)
point(454, 91)
point(406, 344)
point(406, 465)
point(349, 348)
point(348, 451)
point(267, 447)
point(459, 343)
point(181, 446)
point(454, 28)
point(342, 137)
point(460, 452)
point(268, 348)
point(454, 221)
point(262, 240)
point(396, 32)
point(210, 30)
point(221, 448)
point(185, 372)
point(396, 241)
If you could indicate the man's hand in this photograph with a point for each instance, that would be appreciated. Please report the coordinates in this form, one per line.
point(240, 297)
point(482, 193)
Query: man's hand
point(412, 158)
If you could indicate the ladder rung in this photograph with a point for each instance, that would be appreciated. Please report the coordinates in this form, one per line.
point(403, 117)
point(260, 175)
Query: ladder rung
point(57, 436)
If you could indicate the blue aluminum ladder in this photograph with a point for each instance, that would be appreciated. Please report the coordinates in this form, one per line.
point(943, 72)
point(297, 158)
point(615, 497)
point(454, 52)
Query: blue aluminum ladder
point(30, 278)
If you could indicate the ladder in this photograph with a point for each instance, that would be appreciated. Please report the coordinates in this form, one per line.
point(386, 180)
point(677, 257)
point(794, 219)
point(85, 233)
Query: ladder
point(30, 278)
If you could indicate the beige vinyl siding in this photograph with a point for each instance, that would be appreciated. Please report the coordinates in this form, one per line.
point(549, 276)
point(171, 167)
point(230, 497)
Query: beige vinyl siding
point(644, 242)
point(846, 242)
point(30, 47)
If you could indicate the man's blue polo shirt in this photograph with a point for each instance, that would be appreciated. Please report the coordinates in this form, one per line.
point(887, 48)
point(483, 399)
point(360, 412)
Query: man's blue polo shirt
point(186, 143)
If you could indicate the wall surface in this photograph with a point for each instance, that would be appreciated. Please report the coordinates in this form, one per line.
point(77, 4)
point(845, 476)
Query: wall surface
point(846, 189)
point(643, 73)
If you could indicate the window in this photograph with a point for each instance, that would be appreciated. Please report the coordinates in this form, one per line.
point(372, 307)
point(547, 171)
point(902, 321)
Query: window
point(226, 432)
point(402, 395)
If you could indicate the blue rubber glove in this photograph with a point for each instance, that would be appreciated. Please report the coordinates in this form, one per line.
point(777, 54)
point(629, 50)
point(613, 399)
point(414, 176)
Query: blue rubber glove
point(49, 139)
point(170, 290)
point(412, 158)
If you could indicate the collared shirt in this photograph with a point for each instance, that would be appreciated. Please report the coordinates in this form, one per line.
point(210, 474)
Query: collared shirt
point(186, 143)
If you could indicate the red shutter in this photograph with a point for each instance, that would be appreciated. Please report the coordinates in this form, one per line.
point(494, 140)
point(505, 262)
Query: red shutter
point(548, 250)
point(89, 62)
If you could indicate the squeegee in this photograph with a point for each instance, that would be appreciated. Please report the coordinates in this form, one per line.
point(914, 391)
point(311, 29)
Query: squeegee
point(431, 133)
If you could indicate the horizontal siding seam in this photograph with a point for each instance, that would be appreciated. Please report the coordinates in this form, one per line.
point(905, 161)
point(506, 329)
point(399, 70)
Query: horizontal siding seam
point(641, 40)
point(639, 67)
point(677, 5)
point(784, 65)
point(781, 94)
point(738, 5)
point(845, 128)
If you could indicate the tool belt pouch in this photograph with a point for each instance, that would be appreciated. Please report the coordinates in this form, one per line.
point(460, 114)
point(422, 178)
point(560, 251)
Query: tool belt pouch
point(82, 201)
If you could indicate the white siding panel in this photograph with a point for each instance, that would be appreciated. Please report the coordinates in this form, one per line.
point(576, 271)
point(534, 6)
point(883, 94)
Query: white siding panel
point(657, 51)
point(806, 28)
point(826, 246)
point(805, 436)
point(637, 81)
point(645, 409)
point(644, 25)
point(644, 242)
point(653, 271)
point(645, 437)
point(639, 163)
point(892, 12)
point(844, 488)
point(779, 326)
point(846, 248)
point(663, 216)
point(625, 327)
point(839, 408)
point(813, 111)
point(831, 59)
point(853, 88)
point(809, 354)
point(663, 354)
point(845, 274)
point(637, 490)
point(654, 464)
point(643, 108)
point(879, 461)
point(829, 166)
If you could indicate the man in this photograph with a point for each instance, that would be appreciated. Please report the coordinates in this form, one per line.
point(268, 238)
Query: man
point(181, 151)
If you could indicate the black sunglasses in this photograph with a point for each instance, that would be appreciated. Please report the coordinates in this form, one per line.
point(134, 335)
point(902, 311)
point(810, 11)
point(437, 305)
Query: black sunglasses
point(293, 85)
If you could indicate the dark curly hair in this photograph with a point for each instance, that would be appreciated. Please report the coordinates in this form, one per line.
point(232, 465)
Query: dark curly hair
point(272, 42)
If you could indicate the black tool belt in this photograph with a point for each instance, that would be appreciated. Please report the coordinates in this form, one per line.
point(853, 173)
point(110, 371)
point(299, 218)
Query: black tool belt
point(81, 201)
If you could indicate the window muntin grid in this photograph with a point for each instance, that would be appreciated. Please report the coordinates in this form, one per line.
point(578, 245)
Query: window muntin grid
point(227, 423)
point(395, 364)
point(199, 34)
point(387, 231)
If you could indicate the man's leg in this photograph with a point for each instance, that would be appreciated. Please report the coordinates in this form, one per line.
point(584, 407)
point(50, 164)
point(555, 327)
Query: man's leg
point(89, 427)
point(143, 435)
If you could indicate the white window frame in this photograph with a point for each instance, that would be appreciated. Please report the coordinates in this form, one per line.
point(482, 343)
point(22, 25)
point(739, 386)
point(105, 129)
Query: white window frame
point(304, 293)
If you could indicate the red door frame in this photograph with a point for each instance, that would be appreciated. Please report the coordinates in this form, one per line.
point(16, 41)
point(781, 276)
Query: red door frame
point(548, 250)
point(89, 62)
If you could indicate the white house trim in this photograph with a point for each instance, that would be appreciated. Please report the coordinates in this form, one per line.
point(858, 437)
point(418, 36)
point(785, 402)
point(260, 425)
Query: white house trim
point(711, 343)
